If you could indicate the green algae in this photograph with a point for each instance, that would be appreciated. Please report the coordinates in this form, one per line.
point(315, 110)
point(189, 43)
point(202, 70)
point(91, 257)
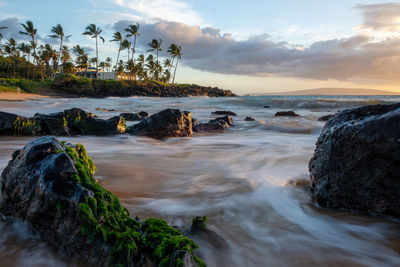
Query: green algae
point(199, 222)
point(105, 218)
point(25, 126)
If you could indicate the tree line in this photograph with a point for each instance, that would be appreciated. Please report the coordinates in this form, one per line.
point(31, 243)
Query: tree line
point(28, 60)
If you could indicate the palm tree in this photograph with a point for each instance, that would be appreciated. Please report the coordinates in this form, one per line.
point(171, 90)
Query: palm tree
point(133, 30)
point(117, 37)
point(94, 32)
point(82, 58)
point(11, 49)
point(58, 32)
point(30, 30)
point(65, 55)
point(26, 51)
point(108, 63)
point(2, 28)
point(176, 52)
point(155, 45)
point(103, 65)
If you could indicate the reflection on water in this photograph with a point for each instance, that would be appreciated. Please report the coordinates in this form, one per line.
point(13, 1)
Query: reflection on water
point(238, 179)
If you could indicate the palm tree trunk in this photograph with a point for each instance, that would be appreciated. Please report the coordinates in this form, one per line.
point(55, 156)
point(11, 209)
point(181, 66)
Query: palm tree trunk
point(134, 49)
point(58, 59)
point(173, 80)
point(34, 58)
point(116, 63)
point(97, 60)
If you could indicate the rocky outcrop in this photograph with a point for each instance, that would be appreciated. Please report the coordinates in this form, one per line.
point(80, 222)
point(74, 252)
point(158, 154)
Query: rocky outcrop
point(218, 124)
point(249, 119)
point(325, 118)
point(12, 124)
point(166, 123)
point(134, 116)
point(51, 186)
point(356, 164)
point(287, 114)
point(73, 121)
point(224, 112)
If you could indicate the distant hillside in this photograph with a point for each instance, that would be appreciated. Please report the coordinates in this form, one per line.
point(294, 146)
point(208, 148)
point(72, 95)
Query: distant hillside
point(338, 91)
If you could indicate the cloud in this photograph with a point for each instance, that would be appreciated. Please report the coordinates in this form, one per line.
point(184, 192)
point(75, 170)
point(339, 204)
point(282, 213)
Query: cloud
point(380, 17)
point(356, 57)
point(171, 10)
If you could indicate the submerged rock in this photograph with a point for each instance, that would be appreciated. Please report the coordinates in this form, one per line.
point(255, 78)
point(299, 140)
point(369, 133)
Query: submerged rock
point(51, 186)
point(73, 121)
point(166, 123)
point(249, 119)
point(135, 116)
point(224, 112)
point(326, 118)
point(287, 114)
point(218, 124)
point(356, 164)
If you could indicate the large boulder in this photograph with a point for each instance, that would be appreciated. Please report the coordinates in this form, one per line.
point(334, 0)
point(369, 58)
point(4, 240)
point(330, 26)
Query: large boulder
point(51, 186)
point(166, 123)
point(356, 164)
point(218, 124)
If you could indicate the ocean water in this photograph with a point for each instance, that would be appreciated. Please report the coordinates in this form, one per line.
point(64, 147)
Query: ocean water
point(239, 179)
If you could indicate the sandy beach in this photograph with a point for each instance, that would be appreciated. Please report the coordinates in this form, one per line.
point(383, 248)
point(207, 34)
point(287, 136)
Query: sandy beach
point(13, 96)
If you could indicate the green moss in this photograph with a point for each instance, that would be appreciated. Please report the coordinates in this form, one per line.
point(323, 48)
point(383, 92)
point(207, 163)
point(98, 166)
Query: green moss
point(105, 218)
point(199, 222)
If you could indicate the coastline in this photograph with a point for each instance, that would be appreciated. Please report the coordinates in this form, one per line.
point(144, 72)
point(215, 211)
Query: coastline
point(14, 96)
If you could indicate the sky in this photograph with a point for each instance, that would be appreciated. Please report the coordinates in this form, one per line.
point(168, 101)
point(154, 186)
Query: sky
point(253, 46)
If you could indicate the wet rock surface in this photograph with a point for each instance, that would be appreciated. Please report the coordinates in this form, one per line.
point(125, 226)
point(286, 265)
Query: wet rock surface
point(356, 164)
point(326, 118)
point(287, 114)
point(134, 116)
point(166, 123)
point(218, 124)
point(73, 121)
point(224, 112)
point(249, 119)
point(51, 186)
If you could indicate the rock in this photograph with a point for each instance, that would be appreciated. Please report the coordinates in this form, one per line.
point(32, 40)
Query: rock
point(51, 186)
point(249, 119)
point(266, 107)
point(135, 116)
point(11, 124)
point(166, 123)
point(218, 124)
point(224, 112)
point(325, 118)
point(73, 121)
point(287, 114)
point(105, 109)
point(356, 164)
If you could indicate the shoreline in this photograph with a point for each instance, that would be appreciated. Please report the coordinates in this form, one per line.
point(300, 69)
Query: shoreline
point(14, 96)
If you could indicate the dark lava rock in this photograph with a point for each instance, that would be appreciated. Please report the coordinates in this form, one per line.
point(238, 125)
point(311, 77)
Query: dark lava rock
point(266, 107)
point(325, 118)
point(218, 124)
point(356, 164)
point(73, 121)
point(166, 123)
point(287, 114)
point(224, 112)
point(11, 124)
point(51, 186)
point(135, 116)
point(249, 119)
